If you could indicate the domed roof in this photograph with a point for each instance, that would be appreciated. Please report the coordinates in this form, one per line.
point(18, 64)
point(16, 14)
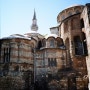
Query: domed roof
point(51, 35)
point(74, 5)
point(16, 36)
point(33, 31)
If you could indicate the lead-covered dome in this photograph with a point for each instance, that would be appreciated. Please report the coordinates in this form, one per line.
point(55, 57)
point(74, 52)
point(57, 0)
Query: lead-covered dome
point(51, 35)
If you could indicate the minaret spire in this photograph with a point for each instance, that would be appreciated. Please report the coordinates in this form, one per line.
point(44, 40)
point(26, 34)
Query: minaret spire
point(34, 16)
point(34, 26)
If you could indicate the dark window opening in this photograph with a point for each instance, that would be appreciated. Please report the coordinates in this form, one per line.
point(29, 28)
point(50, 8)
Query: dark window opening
point(39, 44)
point(78, 46)
point(6, 55)
point(55, 62)
point(49, 63)
point(52, 62)
point(82, 23)
point(85, 48)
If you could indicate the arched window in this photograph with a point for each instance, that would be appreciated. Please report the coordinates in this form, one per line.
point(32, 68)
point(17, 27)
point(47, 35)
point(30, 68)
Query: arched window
point(63, 17)
point(69, 13)
point(78, 46)
point(51, 43)
point(52, 62)
point(39, 44)
point(6, 56)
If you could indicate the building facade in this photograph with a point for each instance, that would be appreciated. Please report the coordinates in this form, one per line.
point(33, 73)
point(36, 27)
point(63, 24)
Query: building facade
point(61, 58)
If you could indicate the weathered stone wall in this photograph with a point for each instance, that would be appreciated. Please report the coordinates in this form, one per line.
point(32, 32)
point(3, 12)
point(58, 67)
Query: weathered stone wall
point(86, 30)
point(69, 28)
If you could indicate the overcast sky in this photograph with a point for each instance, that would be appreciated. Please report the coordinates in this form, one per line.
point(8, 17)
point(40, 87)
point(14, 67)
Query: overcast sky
point(16, 15)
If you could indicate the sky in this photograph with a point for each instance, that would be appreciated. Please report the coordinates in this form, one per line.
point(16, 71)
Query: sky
point(16, 15)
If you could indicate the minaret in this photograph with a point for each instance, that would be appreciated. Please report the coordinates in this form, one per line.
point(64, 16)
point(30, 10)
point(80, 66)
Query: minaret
point(34, 26)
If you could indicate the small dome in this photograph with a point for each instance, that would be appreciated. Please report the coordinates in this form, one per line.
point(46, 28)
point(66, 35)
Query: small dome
point(33, 31)
point(51, 35)
point(16, 36)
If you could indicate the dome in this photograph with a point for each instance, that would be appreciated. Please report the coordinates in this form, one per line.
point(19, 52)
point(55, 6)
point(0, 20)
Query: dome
point(33, 31)
point(16, 36)
point(51, 35)
point(74, 5)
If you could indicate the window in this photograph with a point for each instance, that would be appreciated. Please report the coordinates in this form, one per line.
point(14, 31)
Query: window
point(6, 55)
point(52, 43)
point(55, 62)
point(78, 46)
point(52, 62)
point(85, 48)
point(82, 23)
point(69, 13)
point(49, 63)
point(39, 44)
point(63, 17)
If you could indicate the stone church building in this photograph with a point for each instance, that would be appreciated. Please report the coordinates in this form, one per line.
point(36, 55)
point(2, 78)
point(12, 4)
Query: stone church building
point(63, 55)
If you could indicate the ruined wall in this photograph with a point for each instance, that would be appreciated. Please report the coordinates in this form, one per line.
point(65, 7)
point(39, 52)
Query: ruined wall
point(85, 16)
